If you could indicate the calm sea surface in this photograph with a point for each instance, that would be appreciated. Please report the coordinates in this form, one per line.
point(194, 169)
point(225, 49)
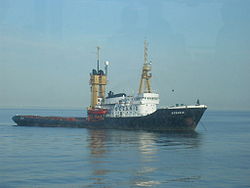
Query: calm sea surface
point(217, 155)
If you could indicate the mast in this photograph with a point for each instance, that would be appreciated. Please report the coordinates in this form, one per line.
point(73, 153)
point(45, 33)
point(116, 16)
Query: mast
point(98, 82)
point(98, 58)
point(145, 86)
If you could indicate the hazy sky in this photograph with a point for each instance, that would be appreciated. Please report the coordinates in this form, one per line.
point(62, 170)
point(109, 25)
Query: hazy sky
point(201, 49)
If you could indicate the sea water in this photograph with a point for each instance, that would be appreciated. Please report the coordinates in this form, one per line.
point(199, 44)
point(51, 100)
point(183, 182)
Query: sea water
point(216, 155)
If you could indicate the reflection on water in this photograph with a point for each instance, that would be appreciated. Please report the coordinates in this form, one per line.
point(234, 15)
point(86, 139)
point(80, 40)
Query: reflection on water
point(97, 150)
point(109, 152)
point(96, 142)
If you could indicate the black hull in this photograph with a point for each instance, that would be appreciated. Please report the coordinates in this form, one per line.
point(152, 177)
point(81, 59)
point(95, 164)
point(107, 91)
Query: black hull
point(181, 119)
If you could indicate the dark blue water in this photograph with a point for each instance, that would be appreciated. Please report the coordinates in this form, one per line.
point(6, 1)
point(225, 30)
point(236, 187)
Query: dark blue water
point(217, 155)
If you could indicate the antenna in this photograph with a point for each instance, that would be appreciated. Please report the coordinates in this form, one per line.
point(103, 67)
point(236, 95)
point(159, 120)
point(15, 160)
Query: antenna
point(98, 58)
point(145, 52)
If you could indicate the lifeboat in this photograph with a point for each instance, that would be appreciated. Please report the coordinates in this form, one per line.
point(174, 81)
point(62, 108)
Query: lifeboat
point(98, 111)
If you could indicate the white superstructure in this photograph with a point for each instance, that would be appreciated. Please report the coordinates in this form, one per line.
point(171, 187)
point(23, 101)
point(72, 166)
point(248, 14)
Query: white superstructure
point(120, 105)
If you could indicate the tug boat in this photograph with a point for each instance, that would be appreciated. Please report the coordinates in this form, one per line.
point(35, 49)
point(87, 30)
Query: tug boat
point(121, 111)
